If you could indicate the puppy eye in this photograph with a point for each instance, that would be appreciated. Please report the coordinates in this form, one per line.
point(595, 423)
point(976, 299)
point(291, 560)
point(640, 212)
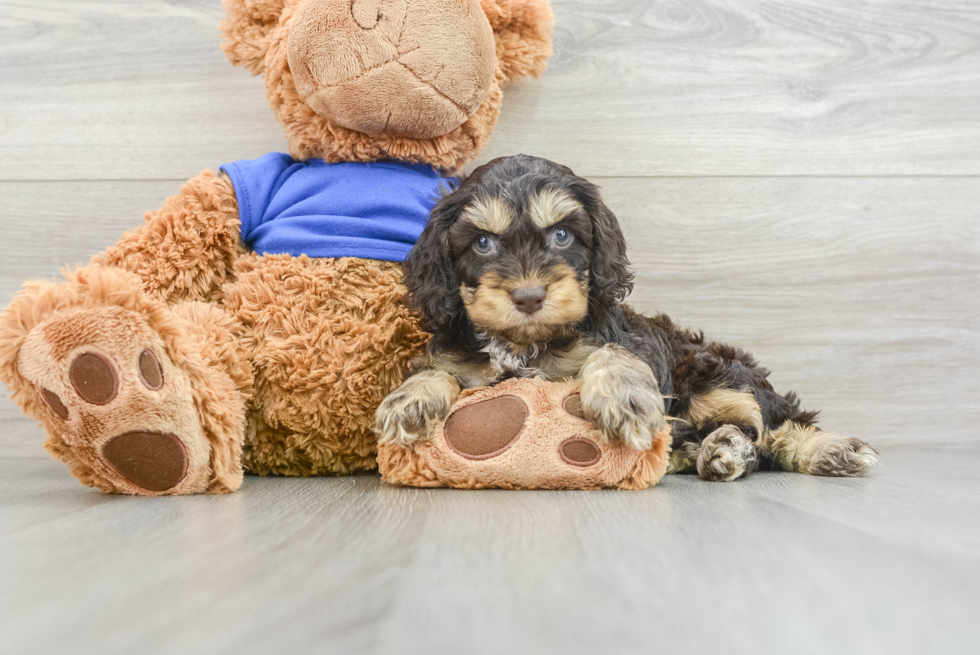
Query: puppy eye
point(562, 237)
point(484, 245)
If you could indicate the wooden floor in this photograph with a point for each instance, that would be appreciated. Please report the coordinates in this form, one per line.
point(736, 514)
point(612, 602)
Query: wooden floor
point(778, 563)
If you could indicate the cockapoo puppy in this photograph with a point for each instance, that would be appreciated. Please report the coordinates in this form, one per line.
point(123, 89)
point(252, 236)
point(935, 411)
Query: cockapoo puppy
point(522, 272)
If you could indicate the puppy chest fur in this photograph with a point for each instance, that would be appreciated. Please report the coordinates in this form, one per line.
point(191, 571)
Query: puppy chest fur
point(498, 360)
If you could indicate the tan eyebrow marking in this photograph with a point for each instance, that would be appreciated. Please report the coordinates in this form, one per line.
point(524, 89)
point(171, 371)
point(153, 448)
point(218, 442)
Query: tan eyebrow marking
point(489, 214)
point(550, 206)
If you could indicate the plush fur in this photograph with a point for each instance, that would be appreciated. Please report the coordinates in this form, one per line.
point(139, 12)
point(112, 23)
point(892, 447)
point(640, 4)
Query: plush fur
point(523, 227)
point(329, 339)
point(269, 364)
point(208, 378)
point(534, 460)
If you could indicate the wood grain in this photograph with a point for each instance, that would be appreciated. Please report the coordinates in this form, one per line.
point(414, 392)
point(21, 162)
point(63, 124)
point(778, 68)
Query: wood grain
point(727, 87)
point(777, 563)
point(860, 294)
point(140, 90)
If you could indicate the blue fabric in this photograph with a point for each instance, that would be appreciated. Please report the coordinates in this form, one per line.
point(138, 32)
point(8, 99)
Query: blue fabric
point(374, 211)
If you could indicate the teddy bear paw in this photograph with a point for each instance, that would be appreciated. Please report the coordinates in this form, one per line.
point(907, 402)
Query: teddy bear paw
point(124, 412)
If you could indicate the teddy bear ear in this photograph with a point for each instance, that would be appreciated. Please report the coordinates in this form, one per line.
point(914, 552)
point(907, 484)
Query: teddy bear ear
point(522, 31)
point(245, 29)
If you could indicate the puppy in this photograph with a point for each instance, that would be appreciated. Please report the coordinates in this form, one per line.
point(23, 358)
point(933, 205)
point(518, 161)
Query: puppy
point(522, 271)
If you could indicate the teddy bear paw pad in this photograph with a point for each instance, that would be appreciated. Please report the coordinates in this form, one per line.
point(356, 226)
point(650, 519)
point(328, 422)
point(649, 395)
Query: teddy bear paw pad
point(579, 452)
point(93, 378)
point(486, 429)
point(152, 460)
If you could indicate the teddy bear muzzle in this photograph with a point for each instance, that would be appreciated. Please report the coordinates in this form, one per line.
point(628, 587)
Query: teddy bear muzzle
point(416, 70)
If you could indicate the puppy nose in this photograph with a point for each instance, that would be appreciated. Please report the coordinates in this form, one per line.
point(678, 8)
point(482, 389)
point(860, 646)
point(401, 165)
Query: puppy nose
point(529, 300)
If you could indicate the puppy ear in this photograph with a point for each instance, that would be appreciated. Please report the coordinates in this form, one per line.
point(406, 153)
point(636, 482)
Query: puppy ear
point(522, 33)
point(610, 276)
point(430, 276)
point(245, 31)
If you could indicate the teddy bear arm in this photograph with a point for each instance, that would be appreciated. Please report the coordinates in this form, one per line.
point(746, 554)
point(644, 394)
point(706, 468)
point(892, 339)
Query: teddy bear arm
point(186, 250)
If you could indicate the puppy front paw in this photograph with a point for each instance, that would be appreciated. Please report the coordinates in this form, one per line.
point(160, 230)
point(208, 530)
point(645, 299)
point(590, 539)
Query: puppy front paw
point(410, 412)
point(621, 397)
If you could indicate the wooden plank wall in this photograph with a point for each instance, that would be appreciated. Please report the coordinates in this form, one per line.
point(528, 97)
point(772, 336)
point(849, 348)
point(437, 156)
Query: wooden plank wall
point(798, 176)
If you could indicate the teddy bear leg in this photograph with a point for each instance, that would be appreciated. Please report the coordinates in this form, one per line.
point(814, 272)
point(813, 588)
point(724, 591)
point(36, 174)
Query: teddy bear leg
point(329, 339)
point(136, 397)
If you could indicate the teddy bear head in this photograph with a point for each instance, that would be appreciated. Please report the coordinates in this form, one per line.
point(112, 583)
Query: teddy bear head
point(365, 80)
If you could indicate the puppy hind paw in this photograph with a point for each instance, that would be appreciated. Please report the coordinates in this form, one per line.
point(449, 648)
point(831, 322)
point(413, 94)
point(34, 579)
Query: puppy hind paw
point(726, 455)
point(843, 457)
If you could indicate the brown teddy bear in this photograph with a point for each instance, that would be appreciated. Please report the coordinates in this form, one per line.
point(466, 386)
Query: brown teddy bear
point(257, 320)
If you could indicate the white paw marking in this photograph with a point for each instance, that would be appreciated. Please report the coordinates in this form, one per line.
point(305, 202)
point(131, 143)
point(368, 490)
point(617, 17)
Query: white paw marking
point(725, 455)
point(621, 397)
point(410, 412)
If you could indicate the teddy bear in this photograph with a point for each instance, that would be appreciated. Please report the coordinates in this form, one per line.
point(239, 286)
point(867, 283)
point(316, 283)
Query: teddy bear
point(255, 321)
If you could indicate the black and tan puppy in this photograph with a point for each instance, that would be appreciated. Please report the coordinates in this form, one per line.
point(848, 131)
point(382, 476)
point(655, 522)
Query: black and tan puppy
point(522, 271)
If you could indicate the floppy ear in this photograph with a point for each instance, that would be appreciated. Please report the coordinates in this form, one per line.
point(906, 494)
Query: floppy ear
point(430, 276)
point(610, 276)
point(522, 32)
point(245, 31)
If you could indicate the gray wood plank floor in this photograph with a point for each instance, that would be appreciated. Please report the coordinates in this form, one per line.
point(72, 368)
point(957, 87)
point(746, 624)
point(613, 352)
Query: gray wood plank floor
point(778, 563)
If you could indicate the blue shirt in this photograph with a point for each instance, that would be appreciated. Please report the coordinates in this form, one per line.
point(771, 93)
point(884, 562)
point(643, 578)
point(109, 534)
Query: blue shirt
point(375, 210)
